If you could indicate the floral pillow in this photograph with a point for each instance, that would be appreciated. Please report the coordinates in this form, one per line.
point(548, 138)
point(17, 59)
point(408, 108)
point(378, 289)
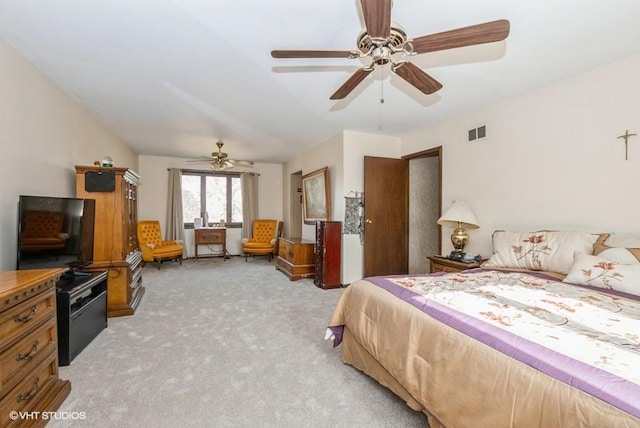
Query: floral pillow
point(599, 272)
point(543, 250)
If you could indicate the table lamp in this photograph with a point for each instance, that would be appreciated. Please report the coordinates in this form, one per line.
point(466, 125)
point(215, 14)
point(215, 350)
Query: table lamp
point(458, 217)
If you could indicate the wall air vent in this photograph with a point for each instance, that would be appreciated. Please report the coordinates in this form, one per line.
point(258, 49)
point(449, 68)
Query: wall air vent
point(478, 133)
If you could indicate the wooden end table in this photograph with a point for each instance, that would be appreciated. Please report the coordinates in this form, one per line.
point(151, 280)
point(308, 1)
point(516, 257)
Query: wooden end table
point(211, 236)
point(442, 264)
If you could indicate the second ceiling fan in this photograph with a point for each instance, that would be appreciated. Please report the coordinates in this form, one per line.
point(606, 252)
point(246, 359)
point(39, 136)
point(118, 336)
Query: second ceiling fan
point(381, 42)
point(219, 160)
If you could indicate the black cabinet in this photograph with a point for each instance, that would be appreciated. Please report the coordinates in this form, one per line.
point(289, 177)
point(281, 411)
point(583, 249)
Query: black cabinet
point(82, 311)
point(328, 254)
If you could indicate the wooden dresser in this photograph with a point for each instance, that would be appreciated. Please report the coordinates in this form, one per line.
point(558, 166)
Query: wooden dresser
point(28, 347)
point(296, 258)
point(115, 245)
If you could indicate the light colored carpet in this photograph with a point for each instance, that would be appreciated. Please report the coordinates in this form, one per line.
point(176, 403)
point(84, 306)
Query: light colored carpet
point(225, 344)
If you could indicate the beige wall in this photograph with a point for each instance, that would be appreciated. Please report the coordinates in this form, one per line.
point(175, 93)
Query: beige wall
point(550, 160)
point(329, 154)
point(343, 154)
point(357, 145)
point(43, 134)
point(152, 202)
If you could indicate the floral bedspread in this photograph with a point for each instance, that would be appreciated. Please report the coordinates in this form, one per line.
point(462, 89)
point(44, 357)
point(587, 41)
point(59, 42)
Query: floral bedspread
point(597, 329)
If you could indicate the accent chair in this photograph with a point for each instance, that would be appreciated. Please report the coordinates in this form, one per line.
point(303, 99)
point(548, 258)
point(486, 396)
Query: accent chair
point(264, 240)
point(153, 247)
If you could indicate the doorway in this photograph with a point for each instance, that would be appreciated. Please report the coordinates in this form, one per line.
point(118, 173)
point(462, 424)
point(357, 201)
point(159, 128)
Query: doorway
point(294, 229)
point(425, 201)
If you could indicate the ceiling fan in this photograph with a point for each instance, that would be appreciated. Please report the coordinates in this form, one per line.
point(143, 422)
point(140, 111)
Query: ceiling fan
point(219, 160)
point(382, 42)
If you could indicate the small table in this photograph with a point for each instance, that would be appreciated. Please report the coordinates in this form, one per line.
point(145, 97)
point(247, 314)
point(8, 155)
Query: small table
point(211, 236)
point(442, 264)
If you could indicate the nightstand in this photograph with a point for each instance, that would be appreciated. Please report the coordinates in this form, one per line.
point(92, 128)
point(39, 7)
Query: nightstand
point(442, 264)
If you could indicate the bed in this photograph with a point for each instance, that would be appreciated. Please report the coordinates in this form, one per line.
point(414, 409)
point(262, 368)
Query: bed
point(511, 344)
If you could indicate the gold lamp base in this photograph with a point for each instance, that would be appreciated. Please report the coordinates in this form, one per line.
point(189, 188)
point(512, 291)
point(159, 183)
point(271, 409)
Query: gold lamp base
point(459, 238)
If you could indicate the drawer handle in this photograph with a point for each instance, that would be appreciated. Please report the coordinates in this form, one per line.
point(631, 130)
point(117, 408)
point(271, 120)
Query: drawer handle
point(29, 317)
point(30, 355)
point(31, 393)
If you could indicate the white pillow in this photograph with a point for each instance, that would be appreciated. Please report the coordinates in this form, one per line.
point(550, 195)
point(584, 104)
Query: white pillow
point(543, 250)
point(599, 272)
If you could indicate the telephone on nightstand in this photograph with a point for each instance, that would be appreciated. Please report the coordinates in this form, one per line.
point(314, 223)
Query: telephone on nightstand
point(459, 256)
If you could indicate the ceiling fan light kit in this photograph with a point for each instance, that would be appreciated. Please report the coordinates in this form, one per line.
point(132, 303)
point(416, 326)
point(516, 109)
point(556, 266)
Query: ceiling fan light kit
point(380, 41)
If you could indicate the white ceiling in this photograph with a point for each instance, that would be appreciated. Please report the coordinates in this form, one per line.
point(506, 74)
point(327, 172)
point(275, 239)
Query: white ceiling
point(170, 77)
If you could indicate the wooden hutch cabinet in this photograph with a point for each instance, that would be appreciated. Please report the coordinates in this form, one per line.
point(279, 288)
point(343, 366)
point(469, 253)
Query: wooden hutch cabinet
point(328, 254)
point(115, 246)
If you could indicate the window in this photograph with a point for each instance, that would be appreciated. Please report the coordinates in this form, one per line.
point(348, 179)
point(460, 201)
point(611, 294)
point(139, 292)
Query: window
point(218, 194)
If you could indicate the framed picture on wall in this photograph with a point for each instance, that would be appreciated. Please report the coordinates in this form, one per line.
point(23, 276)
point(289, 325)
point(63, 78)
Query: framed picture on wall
point(315, 196)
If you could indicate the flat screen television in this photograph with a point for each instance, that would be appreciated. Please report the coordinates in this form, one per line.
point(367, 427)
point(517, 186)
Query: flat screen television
point(55, 232)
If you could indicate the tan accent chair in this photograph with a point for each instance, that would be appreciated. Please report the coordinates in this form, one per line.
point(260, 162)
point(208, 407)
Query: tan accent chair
point(264, 240)
point(153, 247)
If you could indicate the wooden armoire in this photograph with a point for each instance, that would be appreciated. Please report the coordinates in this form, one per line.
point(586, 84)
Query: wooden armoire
point(328, 254)
point(115, 245)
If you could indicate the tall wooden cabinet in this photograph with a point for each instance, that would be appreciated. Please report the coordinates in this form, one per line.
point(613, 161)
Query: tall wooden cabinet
point(328, 254)
point(115, 246)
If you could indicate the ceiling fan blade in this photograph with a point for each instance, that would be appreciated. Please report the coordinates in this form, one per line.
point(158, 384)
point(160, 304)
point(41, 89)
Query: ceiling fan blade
point(203, 160)
point(240, 162)
point(377, 17)
point(351, 83)
point(467, 36)
point(313, 54)
point(418, 78)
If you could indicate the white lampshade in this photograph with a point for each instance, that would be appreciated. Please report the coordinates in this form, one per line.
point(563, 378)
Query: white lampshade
point(459, 214)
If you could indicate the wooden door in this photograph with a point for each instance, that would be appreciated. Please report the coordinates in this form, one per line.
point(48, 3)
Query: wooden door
point(386, 213)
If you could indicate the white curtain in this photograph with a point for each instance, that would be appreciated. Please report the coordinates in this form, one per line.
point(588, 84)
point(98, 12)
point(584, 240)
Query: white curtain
point(249, 182)
point(174, 225)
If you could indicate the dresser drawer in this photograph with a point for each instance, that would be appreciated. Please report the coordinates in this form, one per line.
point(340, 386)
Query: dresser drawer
point(22, 357)
point(284, 265)
point(440, 264)
point(295, 271)
point(31, 389)
point(442, 268)
point(23, 318)
point(210, 236)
